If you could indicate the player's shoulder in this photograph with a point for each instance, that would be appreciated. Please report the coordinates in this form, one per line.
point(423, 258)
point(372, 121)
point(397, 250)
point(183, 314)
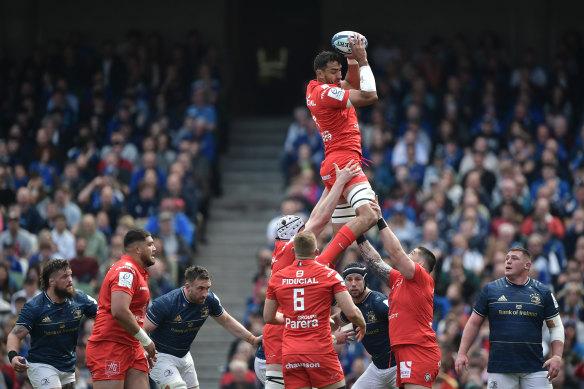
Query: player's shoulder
point(170, 297)
point(81, 296)
point(539, 286)
point(123, 265)
point(377, 297)
point(37, 301)
point(499, 283)
point(212, 297)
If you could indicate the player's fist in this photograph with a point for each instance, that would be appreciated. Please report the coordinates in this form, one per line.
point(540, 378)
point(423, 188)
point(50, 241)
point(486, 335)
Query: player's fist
point(19, 364)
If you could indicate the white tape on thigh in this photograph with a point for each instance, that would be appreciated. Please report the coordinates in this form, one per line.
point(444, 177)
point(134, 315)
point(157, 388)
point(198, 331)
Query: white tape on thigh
point(176, 385)
point(343, 213)
point(360, 195)
point(274, 380)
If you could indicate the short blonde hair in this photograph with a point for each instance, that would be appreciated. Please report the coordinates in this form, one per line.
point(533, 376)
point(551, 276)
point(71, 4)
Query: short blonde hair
point(304, 245)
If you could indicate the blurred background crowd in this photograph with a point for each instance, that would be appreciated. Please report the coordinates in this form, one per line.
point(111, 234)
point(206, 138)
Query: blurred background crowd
point(470, 150)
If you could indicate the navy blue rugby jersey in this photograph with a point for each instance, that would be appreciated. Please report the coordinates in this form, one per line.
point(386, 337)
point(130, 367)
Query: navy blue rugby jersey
point(516, 314)
point(179, 320)
point(376, 341)
point(54, 328)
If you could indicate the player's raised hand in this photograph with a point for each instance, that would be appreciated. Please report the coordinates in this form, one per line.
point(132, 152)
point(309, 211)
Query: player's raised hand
point(347, 173)
point(554, 363)
point(19, 363)
point(344, 337)
point(375, 206)
point(461, 361)
point(357, 45)
point(360, 331)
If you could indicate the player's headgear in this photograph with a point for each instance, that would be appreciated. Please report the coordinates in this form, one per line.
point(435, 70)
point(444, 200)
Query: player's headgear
point(356, 268)
point(288, 226)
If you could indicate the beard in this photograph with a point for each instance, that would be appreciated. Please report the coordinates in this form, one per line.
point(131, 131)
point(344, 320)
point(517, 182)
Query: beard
point(147, 260)
point(64, 293)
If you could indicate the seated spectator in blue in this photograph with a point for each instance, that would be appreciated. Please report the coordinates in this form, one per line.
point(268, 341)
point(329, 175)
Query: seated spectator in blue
point(415, 170)
point(421, 151)
point(419, 106)
point(295, 130)
point(148, 162)
point(201, 108)
point(30, 218)
point(488, 126)
point(174, 188)
point(99, 195)
point(312, 138)
point(180, 222)
point(123, 116)
point(381, 177)
point(143, 203)
point(47, 251)
point(20, 176)
point(67, 207)
point(59, 103)
point(544, 267)
point(205, 80)
point(202, 141)
point(549, 177)
point(46, 167)
point(10, 256)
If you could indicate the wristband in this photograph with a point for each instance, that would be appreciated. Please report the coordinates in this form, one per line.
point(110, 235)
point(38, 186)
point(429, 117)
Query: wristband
point(143, 337)
point(381, 224)
point(334, 339)
point(11, 355)
point(367, 80)
point(251, 338)
point(361, 239)
point(351, 61)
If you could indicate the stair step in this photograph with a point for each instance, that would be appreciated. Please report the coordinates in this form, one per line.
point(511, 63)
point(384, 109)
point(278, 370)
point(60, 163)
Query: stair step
point(249, 164)
point(255, 151)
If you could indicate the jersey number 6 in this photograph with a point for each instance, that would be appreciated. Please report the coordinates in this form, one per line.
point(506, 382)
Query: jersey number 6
point(298, 300)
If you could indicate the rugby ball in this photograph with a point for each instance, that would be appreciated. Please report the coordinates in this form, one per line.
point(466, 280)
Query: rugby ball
point(340, 41)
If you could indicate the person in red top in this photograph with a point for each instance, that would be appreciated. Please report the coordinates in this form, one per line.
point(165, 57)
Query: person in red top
point(114, 350)
point(332, 101)
point(283, 256)
point(413, 341)
point(305, 291)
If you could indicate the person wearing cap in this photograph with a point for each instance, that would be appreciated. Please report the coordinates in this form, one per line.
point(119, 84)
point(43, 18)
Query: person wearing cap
point(174, 320)
point(283, 256)
point(381, 373)
point(517, 307)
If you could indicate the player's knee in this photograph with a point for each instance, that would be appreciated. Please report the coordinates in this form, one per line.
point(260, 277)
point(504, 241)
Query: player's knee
point(274, 380)
point(368, 215)
point(178, 384)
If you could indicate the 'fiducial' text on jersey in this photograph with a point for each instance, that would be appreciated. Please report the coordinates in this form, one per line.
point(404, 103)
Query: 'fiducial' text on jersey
point(54, 328)
point(179, 320)
point(516, 314)
point(305, 291)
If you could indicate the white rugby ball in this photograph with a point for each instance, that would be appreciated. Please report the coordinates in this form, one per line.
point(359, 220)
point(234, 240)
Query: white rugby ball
point(340, 41)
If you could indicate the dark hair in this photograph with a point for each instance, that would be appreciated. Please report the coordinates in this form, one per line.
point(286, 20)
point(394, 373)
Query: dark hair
point(324, 57)
point(428, 256)
point(196, 272)
point(522, 250)
point(135, 235)
point(52, 266)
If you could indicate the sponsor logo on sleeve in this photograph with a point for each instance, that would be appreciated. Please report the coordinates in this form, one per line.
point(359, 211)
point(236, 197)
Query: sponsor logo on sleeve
point(125, 279)
point(336, 93)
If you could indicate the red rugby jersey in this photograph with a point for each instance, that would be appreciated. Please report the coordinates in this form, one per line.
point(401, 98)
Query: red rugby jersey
point(128, 276)
point(410, 308)
point(337, 124)
point(305, 292)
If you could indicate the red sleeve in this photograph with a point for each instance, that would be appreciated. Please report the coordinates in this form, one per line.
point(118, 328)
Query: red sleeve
point(333, 97)
point(125, 280)
point(271, 293)
point(338, 282)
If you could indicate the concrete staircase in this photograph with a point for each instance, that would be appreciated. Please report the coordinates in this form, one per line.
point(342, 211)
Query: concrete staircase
point(252, 191)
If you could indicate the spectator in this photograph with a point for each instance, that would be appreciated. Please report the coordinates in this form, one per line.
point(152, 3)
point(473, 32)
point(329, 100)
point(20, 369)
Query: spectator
point(63, 238)
point(84, 267)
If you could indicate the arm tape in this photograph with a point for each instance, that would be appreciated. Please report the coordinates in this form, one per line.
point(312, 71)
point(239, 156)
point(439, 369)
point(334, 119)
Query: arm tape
point(367, 80)
point(143, 337)
point(557, 331)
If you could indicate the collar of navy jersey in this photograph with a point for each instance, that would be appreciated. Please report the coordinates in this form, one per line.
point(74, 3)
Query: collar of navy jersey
point(511, 283)
point(184, 295)
point(55, 303)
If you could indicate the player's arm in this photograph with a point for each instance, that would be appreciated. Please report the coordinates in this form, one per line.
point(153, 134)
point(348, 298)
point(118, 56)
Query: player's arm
point(13, 345)
point(556, 329)
point(125, 318)
point(148, 326)
point(398, 257)
point(359, 74)
point(374, 262)
point(469, 334)
point(351, 311)
point(236, 329)
point(271, 315)
point(323, 210)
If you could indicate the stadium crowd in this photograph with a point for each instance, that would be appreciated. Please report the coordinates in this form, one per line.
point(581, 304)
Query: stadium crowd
point(471, 152)
point(96, 141)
